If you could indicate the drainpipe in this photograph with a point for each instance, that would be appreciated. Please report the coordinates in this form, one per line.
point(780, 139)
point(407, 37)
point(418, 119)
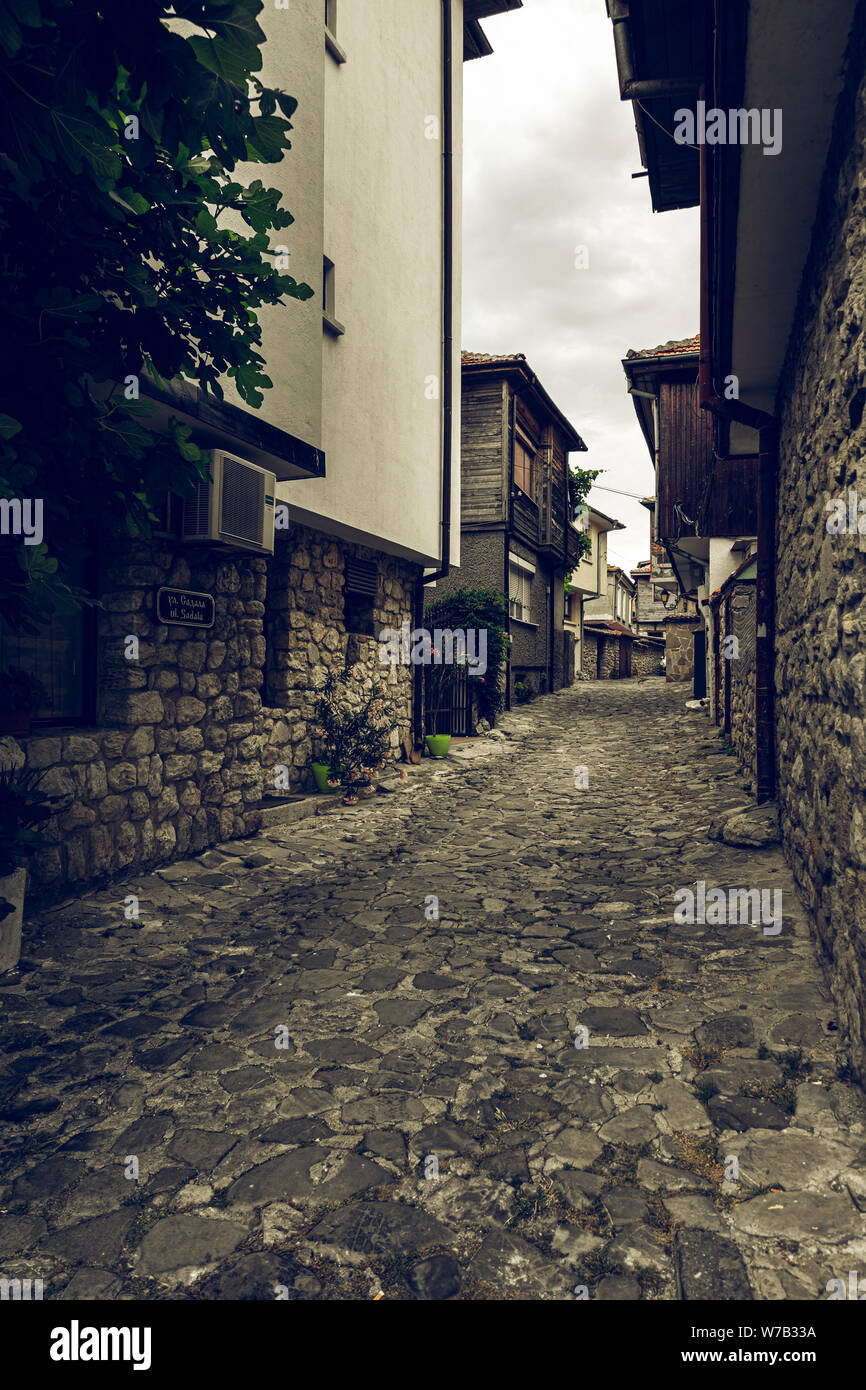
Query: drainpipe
point(630, 88)
point(448, 347)
point(768, 449)
point(509, 484)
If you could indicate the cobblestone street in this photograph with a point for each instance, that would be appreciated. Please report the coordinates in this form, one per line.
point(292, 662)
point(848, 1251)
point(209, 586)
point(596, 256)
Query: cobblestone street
point(328, 1092)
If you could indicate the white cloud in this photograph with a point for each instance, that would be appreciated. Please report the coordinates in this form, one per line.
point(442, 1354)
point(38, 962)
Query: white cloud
point(549, 150)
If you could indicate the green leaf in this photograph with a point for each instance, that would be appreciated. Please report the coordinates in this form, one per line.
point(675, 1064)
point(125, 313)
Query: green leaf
point(268, 141)
point(239, 28)
point(10, 35)
point(231, 64)
point(9, 427)
point(132, 201)
point(26, 12)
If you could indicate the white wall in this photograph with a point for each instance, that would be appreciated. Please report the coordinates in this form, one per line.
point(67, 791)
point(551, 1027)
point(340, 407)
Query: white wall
point(293, 59)
point(383, 230)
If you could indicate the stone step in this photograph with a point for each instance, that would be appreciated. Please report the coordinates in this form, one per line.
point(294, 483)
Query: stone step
point(286, 811)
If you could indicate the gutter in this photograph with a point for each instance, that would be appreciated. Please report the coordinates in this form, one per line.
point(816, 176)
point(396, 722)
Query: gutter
point(448, 347)
point(630, 88)
point(768, 462)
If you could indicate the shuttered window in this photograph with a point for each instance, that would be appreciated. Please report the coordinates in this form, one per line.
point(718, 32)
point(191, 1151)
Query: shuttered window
point(360, 591)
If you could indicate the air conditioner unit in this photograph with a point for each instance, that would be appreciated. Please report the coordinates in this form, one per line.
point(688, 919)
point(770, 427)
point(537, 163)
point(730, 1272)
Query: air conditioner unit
point(236, 509)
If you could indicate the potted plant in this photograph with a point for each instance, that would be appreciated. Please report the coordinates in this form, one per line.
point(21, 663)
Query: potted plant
point(440, 684)
point(23, 807)
point(20, 695)
point(352, 735)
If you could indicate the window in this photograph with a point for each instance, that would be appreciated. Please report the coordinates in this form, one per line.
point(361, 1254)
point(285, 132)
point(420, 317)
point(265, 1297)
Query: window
point(524, 466)
point(519, 589)
point(331, 43)
point(329, 298)
point(61, 655)
point(360, 591)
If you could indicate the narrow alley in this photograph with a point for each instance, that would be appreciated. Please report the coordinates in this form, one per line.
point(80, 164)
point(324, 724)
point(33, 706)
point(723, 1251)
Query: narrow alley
point(452, 1043)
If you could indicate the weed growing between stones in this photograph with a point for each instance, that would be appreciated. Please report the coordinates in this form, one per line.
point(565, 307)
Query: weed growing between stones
point(705, 1090)
point(660, 1220)
point(703, 1057)
point(698, 1156)
point(795, 1066)
point(781, 1093)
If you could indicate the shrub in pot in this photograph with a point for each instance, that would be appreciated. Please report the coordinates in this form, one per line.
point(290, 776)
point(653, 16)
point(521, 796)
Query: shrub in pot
point(23, 808)
point(20, 695)
point(352, 732)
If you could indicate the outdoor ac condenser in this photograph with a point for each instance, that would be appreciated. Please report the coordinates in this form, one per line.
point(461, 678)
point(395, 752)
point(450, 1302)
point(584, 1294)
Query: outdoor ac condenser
point(236, 509)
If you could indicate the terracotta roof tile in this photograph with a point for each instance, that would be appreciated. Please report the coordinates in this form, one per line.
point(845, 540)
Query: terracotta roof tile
point(675, 348)
point(472, 359)
point(608, 625)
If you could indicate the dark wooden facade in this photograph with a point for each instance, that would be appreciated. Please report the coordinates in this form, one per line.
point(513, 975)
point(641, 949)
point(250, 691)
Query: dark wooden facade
point(718, 494)
point(494, 408)
point(699, 493)
point(502, 401)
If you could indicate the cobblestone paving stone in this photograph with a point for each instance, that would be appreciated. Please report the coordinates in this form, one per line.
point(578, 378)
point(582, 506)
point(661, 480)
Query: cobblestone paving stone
point(301, 1170)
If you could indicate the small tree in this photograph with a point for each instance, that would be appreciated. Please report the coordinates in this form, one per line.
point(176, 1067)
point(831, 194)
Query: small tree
point(580, 481)
point(475, 610)
point(353, 733)
point(120, 137)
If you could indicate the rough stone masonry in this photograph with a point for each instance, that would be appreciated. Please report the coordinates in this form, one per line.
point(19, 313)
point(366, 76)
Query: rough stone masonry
point(339, 1059)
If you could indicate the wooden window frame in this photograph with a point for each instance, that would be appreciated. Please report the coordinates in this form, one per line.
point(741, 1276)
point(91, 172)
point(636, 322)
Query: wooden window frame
point(329, 298)
point(332, 20)
point(523, 572)
point(523, 444)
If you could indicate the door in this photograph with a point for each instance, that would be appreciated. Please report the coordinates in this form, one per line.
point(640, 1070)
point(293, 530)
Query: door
point(700, 682)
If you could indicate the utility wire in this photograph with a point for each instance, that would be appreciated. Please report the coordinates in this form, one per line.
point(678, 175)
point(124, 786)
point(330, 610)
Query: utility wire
point(599, 488)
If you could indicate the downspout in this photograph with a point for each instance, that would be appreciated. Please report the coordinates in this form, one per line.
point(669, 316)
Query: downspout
point(448, 348)
point(768, 462)
point(509, 484)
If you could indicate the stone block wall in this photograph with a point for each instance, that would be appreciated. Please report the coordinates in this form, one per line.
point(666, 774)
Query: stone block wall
point(184, 747)
point(645, 660)
point(820, 673)
point(609, 659)
point(589, 655)
point(742, 673)
point(679, 648)
point(307, 637)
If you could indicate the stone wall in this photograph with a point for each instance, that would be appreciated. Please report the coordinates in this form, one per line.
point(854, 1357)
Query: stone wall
point(589, 655)
point(820, 673)
point(742, 672)
point(645, 659)
point(679, 648)
point(609, 669)
point(307, 636)
point(604, 647)
point(184, 747)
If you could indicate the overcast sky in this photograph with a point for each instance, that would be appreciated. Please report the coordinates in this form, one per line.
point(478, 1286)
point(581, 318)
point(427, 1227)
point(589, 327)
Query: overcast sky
point(549, 151)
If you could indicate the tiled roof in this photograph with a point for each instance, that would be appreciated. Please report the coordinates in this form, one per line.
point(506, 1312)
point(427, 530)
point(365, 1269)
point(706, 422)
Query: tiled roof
point(608, 625)
point(675, 348)
point(473, 359)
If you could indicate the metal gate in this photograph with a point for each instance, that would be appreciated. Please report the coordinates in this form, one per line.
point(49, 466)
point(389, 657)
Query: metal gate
point(454, 714)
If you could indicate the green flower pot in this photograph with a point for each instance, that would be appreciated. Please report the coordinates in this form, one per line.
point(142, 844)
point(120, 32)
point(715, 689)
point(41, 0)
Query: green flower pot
point(321, 773)
point(438, 745)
